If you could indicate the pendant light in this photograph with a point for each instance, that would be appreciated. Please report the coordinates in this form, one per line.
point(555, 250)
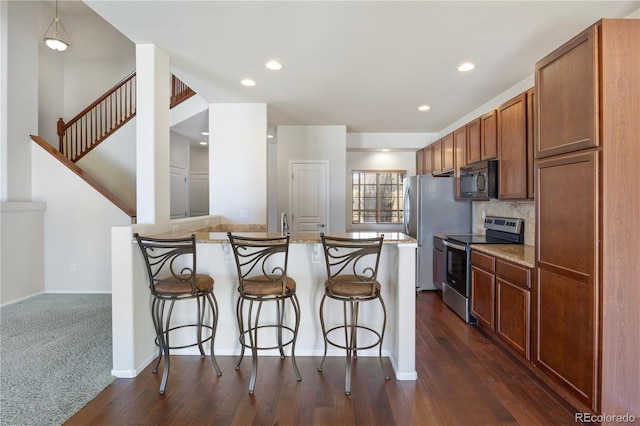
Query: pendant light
point(57, 39)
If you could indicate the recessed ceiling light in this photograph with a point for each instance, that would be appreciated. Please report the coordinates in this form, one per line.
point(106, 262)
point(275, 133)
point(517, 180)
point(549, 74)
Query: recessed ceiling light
point(273, 65)
point(270, 136)
point(467, 66)
point(424, 108)
point(205, 133)
point(248, 82)
point(203, 143)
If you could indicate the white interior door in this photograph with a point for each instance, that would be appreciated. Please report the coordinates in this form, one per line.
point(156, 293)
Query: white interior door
point(178, 192)
point(309, 197)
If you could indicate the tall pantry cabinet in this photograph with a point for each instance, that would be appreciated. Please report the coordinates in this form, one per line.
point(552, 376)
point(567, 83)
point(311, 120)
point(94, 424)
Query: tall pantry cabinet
point(587, 177)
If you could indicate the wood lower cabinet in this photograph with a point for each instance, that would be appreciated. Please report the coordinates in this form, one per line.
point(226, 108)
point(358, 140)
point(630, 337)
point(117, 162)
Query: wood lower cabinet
point(513, 306)
point(483, 284)
point(438, 262)
point(501, 300)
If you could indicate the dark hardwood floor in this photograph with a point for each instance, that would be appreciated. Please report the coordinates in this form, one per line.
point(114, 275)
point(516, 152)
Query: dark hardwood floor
point(464, 378)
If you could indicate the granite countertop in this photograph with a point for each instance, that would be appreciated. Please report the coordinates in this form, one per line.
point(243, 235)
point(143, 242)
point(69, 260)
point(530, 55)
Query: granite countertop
point(517, 253)
point(219, 237)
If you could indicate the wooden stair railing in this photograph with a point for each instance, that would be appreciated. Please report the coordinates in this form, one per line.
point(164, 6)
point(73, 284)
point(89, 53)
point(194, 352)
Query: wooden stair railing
point(91, 181)
point(106, 115)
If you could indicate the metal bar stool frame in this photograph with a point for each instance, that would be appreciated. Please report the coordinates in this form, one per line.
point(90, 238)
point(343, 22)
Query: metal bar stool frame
point(351, 281)
point(262, 277)
point(171, 281)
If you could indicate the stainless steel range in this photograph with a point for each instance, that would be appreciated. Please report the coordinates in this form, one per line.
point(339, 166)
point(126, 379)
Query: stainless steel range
point(456, 288)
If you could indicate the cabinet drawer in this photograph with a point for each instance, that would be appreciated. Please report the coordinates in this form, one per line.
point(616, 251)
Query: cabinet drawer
point(514, 273)
point(483, 261)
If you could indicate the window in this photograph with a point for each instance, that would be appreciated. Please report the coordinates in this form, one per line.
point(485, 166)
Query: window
point(377, 196)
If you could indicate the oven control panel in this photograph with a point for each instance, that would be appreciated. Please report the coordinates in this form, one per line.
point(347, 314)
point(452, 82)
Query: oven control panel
point(505, 224)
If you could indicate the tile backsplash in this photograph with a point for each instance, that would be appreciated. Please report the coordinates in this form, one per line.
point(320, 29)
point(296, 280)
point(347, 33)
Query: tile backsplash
point(525, 210)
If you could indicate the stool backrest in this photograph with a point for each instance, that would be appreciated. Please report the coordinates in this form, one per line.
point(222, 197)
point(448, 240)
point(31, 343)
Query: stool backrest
point(169, 261)
point(260, 260)
point(353, 259)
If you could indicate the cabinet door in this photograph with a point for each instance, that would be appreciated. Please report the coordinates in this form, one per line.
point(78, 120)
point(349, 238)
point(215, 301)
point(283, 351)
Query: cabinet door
point(459, 158)
point(428, 160)
point(567, 238)
point(474, 153)
point(512, 167)
point(420, 162)
point(438, 268)
point(532, 122)
point(489, 135)
point(437, 156)
point(483, 296)
point(513, 316)
point(447, 153)
point(567, 97)
point(459, 149)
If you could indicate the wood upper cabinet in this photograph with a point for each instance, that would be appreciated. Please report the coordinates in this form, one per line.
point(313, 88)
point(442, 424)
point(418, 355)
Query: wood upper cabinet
point(424, 158)
point(443, 160)
point(428, 160)
point(420, 162)
point(482, 138)
point(489, 135)
point(512, 140)
point(436, 148)
point(567, 94)
point(459, 149)
point(459, 157)
point(531, 140)
point(474, 152)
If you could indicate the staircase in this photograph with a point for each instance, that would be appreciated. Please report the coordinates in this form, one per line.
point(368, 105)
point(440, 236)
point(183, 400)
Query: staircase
point(97, 122)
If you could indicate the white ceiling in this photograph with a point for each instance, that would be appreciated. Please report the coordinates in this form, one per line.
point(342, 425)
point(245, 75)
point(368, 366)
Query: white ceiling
point(367, 65)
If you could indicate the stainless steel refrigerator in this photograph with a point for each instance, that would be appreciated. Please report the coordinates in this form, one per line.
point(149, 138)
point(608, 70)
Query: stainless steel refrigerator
point(429, 207)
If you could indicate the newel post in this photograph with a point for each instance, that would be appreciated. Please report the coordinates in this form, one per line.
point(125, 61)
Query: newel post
point(61, 134)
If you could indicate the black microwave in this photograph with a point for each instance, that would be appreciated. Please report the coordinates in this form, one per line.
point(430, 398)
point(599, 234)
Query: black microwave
point(479, 181)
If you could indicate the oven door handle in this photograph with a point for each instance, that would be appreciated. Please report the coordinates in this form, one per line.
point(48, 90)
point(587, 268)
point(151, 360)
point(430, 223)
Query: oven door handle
point(455, 246)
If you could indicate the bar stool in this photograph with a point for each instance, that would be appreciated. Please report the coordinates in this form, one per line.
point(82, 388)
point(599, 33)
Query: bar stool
point(262, 277)
point(171, 268)
point(352, 269)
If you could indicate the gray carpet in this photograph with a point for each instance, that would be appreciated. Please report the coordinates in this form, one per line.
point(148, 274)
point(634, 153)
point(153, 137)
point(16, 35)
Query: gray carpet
point(55, 356)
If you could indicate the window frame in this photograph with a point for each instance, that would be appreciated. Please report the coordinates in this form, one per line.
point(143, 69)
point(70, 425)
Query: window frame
point(392, 227)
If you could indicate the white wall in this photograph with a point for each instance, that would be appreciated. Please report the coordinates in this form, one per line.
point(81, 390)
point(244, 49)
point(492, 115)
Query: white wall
point(99, 58)
point(113, 163)
point(238, 162)
point(324, 143)
point(77, 228)
point(398, 141)
point(19, 97)
point(22, 249)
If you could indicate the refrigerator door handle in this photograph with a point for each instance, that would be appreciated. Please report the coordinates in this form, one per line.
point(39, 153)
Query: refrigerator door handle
point(407, 209)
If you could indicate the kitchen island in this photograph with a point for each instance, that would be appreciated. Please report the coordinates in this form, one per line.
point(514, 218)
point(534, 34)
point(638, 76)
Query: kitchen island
point(306, 265)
